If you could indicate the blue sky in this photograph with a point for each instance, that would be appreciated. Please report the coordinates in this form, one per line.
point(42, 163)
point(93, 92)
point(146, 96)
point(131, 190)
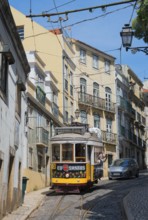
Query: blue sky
point(102, 33)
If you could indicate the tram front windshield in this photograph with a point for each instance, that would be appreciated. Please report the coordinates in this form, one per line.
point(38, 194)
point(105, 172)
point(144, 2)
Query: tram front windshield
point(67, 153)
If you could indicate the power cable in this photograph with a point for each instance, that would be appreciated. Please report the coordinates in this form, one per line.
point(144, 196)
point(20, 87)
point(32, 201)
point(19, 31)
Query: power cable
point(82, 9)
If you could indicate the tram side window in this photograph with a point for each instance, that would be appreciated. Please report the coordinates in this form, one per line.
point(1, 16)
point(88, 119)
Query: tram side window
point(55, 152)
point(67, 152)
point(80, 152)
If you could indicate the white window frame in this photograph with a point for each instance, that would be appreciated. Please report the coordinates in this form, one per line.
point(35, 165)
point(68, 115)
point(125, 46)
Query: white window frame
point(95, 60)
point(83, 56)
point(107, 66)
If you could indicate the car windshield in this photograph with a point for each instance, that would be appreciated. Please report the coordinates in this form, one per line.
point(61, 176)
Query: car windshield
point(121, 163)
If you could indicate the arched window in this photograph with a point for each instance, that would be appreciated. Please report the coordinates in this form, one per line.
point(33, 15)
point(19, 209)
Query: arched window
point(83, 116)
point(95, 89)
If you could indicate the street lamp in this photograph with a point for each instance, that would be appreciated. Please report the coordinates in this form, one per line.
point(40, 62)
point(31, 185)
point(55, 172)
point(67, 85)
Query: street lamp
point(77, 113)
point(127, 35)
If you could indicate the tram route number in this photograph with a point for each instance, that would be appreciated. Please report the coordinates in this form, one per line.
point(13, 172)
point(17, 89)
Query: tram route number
point(67, 167)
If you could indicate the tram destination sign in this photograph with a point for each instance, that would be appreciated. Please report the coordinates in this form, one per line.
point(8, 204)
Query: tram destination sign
point(71, 167)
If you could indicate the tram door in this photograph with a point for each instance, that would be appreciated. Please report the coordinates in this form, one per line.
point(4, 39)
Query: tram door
point(89, 160)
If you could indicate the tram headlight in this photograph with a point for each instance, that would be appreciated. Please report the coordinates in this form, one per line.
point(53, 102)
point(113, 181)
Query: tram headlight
point(67, 175)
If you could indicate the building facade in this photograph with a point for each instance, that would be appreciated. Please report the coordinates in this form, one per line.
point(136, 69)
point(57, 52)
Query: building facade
point(95, 94)
point(50, 93)
point(145, 94)
point(130, 115)
point(42, 111)
point(14, 69)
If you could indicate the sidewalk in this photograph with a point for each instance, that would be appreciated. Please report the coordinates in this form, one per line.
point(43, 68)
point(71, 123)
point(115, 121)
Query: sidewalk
point(32, 201)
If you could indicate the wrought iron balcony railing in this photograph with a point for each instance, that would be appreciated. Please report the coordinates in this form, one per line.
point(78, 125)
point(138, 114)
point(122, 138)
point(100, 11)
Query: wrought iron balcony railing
point(96, 102)
point(109, 137)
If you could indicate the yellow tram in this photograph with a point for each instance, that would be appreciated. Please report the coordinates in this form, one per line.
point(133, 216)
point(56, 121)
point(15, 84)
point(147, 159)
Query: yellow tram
point(76, 158)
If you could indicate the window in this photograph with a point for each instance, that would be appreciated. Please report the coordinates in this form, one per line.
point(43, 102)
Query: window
point(18, 100)
point(82, 89)
point(1, 168)
point(71, 83)
point(82, 85)
point(66, 109)
point(80, 152)
point(3, 73)
point(82, 56)
point(16, 133)
point(66, 77)
point(108, 125)
point(108, 129)
point(108, 98)
point(95, 89)
point(96, 121)
point(55, 152)
point(40, 95)
point(95, 61)
point(20, 31)
point(83, 117)
point(67, 152)
point(30, 157)
point(71, 112)
point(107, 66)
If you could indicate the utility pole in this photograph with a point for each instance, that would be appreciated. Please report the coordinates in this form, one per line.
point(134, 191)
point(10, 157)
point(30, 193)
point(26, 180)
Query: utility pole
point(80, 10)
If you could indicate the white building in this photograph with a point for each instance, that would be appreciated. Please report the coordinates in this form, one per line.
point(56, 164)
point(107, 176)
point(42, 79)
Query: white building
point(13, 73)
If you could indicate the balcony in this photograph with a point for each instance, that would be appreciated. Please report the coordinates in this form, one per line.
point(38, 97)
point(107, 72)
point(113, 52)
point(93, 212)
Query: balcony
point(109, 137)
point(96, 102)
point(42, 136)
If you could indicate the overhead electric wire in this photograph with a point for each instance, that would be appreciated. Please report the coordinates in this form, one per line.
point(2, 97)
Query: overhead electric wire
point(133, 12)
point(59, 6)
point(82, 9)
point(91, 19)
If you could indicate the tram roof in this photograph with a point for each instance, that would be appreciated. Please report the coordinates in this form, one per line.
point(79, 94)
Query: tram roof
point(86, 138)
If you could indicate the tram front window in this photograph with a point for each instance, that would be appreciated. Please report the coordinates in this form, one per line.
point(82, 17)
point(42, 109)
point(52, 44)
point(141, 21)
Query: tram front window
point(55, 152)
point(80, 152)
point(67, 152)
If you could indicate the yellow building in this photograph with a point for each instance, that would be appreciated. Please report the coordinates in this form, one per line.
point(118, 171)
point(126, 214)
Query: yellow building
point(49, 93)
point(54, 48)
point(95, 94)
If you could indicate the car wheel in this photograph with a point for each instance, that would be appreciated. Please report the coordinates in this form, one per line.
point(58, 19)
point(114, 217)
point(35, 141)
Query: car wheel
point(129, 174)
point(137, 175)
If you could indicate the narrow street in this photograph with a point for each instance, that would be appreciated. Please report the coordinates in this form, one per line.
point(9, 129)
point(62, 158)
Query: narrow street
point(103, 201)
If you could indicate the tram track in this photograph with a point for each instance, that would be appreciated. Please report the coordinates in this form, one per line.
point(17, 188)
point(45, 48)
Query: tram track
point(55, 210)
point(78, 204)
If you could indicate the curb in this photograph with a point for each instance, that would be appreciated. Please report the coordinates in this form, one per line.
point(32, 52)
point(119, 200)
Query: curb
point(33, 209)
point(126, 207)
